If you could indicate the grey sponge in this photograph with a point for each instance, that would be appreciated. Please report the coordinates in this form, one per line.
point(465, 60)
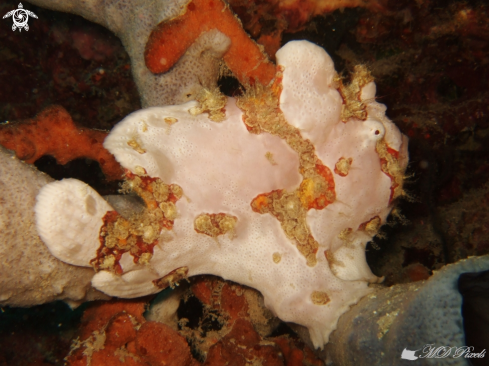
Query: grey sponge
point(29, 274)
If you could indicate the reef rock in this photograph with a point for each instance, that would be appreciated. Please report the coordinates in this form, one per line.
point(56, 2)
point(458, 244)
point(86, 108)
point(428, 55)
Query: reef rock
point(281, 195)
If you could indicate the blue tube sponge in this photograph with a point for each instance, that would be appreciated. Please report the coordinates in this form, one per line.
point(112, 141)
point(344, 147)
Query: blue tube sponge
point(409, 320)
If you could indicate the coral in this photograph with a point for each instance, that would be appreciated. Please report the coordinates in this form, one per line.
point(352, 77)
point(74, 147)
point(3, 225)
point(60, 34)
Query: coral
point(232, 321)
point(318, 224)
point(242, 345)
point(29, 274)
point(244, 58)
point(225, 304)
point(115, 333)
point(52, 132)
point(106, 327)
point(90, 79)
point(267, 20)
point(89, 45)
point(156, 341)
point(246, 328)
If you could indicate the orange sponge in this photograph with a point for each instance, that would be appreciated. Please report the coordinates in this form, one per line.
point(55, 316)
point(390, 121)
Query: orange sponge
point(52, 132)
point(170, 39)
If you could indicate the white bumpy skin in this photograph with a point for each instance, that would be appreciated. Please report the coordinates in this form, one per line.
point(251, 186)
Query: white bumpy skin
point(222, 167)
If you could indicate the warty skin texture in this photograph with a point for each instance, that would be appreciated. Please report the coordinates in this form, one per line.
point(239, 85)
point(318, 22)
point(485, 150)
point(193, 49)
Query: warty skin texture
point(179, 146)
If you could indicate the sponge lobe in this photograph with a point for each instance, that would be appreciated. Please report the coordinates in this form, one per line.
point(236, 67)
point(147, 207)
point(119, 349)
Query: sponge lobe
point(70, 224)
